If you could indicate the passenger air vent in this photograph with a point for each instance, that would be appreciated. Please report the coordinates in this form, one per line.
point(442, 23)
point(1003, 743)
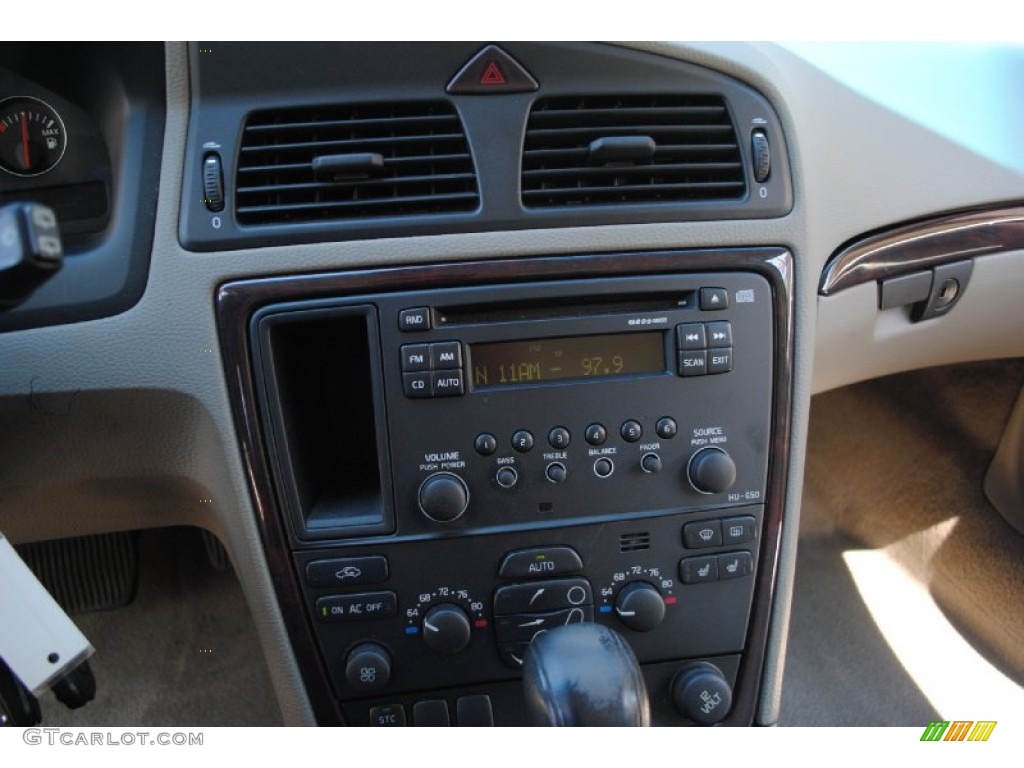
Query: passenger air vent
point(601, 150)
point(346, 162)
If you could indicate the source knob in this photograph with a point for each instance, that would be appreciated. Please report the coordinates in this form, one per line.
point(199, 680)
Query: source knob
point(446, 628)
point(640, 606)
point(368, 667)
point(711, 470)
point(443, 497)
point(701, 693)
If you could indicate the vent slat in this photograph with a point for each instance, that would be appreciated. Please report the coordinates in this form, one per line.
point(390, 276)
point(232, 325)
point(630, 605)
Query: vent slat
point(394, 202)
point(631, 170)
point(696, 157)
point(427, 165)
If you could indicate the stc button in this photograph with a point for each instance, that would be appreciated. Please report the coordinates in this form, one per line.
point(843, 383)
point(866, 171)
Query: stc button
point(548, 561)
point(361, 607)
point(734, 565)
point(542, 596)
point(696, 570)
point(707, 533)
point(390, 715)
point(347, 571)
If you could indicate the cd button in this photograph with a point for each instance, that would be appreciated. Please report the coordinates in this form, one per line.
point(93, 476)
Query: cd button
point(417, 384)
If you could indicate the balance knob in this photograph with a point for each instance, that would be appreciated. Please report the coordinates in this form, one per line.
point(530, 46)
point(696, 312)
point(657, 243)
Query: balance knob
point(701, 693)
point(443, 497)
point(446, 628)
point(640, 606)
point(711, 470)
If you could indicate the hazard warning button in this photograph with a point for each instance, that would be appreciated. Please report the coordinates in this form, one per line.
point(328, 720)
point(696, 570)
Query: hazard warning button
point(492, 70)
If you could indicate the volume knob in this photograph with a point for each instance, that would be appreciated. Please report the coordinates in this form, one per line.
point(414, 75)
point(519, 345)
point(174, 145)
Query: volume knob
point(443, 497)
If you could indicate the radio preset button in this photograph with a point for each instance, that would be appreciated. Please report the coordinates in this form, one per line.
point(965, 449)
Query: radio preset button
point(693, 363)
point(559, 438)
point(666, 428)
point(446, 354)
point(415, 357)
point(596, 434)
point(631, 431)
point(485, 444)
point(506, 477)
point(417, 319)
point(603, 467)
point(522, 441)
point(556, 472)
point(447, 383)
point(417, 384)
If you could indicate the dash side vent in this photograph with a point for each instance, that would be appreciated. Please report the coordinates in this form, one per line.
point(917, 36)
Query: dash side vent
point(353, 161)
point(606, 150)
point(634, 542)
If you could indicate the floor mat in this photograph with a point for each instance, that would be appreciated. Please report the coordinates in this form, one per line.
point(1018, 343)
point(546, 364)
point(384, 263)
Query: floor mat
point(894, 471)
point(184, 653)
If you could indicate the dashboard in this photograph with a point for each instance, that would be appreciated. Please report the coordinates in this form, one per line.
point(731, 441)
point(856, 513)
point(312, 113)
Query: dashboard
point(451, 344)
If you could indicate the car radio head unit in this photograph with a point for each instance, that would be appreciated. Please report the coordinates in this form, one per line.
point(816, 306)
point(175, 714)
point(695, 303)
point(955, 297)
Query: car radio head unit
point(459, 468)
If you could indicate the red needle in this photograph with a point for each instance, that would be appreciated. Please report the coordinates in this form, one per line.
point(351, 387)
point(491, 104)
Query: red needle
point(24, 140)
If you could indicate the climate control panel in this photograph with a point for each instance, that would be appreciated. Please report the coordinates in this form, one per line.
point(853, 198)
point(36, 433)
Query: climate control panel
point(400, 617)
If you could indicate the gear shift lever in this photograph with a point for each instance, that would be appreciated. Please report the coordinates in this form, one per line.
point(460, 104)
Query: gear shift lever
point(584, 674)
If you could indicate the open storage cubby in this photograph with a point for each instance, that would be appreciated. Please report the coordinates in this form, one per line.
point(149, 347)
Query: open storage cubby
point(321, 368)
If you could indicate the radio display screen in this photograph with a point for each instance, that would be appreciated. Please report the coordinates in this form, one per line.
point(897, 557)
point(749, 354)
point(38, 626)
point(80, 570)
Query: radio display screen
point(568, 357)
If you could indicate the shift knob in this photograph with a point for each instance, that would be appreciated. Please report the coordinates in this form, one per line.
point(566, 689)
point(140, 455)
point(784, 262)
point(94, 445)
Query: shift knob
point(584, 674)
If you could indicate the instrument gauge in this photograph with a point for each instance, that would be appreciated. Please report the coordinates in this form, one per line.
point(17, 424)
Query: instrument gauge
point(32, 136)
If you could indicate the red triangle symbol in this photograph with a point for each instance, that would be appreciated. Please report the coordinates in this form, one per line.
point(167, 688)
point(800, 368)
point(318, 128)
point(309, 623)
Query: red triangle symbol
point(492, 75)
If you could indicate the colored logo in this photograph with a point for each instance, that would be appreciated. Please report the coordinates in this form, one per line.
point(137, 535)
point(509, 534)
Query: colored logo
point(959, 730)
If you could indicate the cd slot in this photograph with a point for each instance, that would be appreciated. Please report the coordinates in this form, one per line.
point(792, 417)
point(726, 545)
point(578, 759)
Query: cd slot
point(582, 306)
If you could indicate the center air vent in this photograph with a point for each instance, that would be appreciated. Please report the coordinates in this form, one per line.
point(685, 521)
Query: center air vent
point(601, 150)
point(354, 161)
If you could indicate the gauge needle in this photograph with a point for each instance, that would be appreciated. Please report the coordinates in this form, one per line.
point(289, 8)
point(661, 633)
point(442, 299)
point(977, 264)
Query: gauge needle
point(24, 140)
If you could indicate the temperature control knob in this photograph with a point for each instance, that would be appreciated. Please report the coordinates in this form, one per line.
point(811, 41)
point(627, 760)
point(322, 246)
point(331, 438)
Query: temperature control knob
point(711, 470)
point(640, 606)
point(446, 628)
point(443, 497)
